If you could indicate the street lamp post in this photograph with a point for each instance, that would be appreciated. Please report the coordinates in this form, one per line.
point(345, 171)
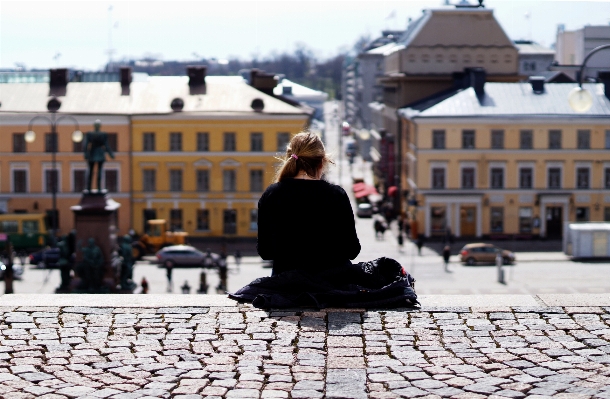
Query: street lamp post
point(77, 136)
point(580, 99)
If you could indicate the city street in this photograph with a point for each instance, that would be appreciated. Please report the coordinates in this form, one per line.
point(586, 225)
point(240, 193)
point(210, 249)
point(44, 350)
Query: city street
point(533, 273)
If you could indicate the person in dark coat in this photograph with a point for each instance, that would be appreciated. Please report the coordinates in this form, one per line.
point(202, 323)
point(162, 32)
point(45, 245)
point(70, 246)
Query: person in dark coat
point(305, 222)
point(446, 255)
point(420, 243)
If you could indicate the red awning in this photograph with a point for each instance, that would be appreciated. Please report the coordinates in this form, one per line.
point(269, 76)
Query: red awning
point(367, 191)
point(358, 186)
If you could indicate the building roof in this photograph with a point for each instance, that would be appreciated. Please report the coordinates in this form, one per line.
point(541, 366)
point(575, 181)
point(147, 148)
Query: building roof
point(223, 94)
point(516, 100)
point(526, 47)
point(299, 92)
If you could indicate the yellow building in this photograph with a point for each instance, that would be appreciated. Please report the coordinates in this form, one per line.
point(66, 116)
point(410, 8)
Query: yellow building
point(507, 160)
point(204, 167)
point(26, 169)
point(197, 151)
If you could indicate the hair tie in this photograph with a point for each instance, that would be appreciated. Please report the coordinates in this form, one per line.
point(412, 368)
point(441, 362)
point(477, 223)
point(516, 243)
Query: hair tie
point(294, 156)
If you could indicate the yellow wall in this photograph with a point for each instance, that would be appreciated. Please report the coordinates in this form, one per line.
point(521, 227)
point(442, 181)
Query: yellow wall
point(216, 160)
point(37, 160)
point(569, 157)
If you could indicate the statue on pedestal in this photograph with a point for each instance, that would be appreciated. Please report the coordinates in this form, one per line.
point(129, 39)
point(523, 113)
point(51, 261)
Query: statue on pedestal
point(95, 147)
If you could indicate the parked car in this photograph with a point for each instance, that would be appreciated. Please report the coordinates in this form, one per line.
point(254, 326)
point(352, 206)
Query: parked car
point(45, 258)
point(484, 253)
point(351, 149)
point(187, 256)
point(365, 210)
point(17, 271)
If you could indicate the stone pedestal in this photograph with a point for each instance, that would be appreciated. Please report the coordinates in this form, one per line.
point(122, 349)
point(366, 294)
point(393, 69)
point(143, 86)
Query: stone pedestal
point(96, 217)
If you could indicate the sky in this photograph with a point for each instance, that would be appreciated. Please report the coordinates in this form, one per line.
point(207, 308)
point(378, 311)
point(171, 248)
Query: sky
point(78, 34)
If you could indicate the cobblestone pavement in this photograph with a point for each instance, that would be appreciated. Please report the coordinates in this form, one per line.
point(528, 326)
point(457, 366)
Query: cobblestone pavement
point(242, 352)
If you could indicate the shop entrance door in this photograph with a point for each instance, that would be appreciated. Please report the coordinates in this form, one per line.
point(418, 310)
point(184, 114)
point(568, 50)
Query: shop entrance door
point(554, 222)
point(468, 219)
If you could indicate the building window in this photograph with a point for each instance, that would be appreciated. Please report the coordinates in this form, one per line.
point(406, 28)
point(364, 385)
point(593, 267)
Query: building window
point(149, 180)
point(229, 218)
point(468, 139)
point(254, 219)
point(607, 178)
point(607, 142)
point(175, 141)
point(51, 181)
point(113, 142)
point(256, 180)
point(148, 141)
point(19, 142)
point(203, 142)
point(526, 176)
point(582, 178)
point(584, 139)
point(229, 142)
point(203, 219)
point(175, 180)
point(79, 180)
point(497, 220)
point(203, 180)
point(228, 180)
point(497, 178)
point(77, 147)
point(175, 219)
point(256, 142)
point(50, 142)
point(438, 178)
point(582, 214)
point(438, 220)
point(111, 179)
point(526, 140)
point(554, 139)
point(282, 141)
point(438, 139)
point(554, 178)
point(20, 181)
point(497, 139)
point(525, 220)
point(607, 214)
point(467, 177)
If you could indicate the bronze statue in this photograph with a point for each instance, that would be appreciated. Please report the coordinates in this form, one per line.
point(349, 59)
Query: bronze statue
point(95, 147)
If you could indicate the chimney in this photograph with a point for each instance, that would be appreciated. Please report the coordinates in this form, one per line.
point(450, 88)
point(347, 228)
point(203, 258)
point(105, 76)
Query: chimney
point(604, 77)
point(58, 78)
point(125, 76)
point(537, 83)
point(196, 74)
point(477, 81)
point(262, 81)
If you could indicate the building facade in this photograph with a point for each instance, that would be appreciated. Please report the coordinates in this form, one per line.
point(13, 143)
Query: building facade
point(513, 161)
point(197, 151)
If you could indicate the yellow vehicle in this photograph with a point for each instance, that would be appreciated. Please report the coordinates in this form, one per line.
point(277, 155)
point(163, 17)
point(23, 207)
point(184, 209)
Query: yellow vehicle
point(156, 237)
point(26, 231)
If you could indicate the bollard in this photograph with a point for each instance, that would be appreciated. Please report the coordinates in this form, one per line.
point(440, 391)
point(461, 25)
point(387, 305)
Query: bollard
point(499, 263)
point(203, 286)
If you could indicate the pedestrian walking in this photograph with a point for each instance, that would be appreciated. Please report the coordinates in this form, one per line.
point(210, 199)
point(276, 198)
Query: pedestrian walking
point(446, 255)
point(379, 226)
point(420, 244)
point(237, 258)
point(400, 240)
point(169, 267)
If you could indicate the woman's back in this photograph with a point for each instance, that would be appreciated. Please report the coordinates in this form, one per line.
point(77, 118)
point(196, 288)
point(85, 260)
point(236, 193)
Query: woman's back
point(306, 224)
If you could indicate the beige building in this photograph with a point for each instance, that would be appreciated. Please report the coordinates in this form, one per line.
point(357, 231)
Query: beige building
point(507, 160)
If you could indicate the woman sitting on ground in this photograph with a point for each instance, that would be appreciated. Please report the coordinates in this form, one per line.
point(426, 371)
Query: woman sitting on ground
point(306, 227)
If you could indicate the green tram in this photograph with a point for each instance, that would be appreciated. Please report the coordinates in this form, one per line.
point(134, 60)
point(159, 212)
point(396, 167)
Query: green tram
point(26, 231)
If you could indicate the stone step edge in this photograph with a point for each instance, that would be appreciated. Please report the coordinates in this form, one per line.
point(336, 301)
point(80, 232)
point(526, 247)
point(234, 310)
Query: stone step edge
point(197, 301)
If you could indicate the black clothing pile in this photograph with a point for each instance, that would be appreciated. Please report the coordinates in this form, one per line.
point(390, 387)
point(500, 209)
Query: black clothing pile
point(381, 283)
point(305, 225)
